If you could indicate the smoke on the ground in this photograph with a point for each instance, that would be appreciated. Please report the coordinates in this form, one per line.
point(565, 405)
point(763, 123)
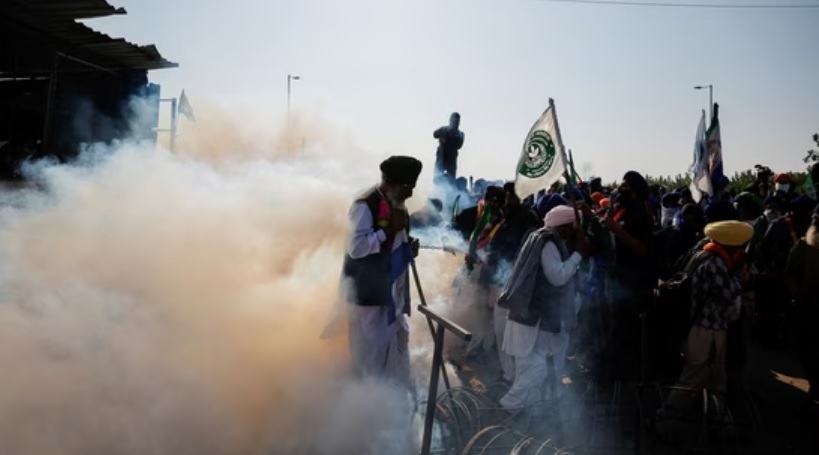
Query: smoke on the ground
point(155, 302)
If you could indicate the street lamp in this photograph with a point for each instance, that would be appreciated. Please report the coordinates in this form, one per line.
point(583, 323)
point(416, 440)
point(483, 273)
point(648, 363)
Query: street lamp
point(290, 78)
point(710, 88)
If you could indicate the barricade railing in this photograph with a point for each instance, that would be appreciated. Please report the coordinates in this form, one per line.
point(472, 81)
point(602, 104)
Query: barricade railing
point(441, 326)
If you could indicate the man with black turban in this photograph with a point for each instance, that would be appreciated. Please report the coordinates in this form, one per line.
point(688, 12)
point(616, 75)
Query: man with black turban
point(375, 273)
point(632, 274)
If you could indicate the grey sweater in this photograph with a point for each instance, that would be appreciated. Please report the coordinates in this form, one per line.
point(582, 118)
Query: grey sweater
point(517, 292)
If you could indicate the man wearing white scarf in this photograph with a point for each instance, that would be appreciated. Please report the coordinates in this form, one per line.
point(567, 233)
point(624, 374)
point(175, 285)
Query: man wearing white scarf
point(539, 324)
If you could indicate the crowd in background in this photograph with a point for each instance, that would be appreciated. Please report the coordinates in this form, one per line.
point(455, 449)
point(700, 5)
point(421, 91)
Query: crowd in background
point(655, 273)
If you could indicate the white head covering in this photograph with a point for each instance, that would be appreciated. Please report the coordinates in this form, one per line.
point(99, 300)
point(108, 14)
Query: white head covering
point(559, 216)
point(667, 216)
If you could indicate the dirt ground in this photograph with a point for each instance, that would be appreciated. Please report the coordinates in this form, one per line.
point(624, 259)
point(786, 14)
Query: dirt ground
point(772, 415)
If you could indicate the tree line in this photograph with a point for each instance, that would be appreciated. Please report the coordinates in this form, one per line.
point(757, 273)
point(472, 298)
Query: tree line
point(740, 180)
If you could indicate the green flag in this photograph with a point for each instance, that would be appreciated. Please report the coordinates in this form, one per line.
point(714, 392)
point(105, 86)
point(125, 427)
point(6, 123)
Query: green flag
point(810, 186)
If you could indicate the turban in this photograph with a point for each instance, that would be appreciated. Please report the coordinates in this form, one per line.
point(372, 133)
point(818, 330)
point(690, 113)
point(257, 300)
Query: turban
point(720, 211)
point(494, 193)
point(597, 196)
point(730, 233)
point(578, 195)
point(671, 200)
point(596, 185)
point(722, 181)
point(746, 199)
point(401, 170)
point(783, 178)
point(693, 210)
point(509, 187)
point(803, 205)
point(559, 216)
point(548, 202)
point(777, 202)
point(637, 183)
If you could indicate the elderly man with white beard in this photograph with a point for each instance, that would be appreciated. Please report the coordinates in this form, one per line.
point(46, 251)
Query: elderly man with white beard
point(540, 297)
point(375, 274)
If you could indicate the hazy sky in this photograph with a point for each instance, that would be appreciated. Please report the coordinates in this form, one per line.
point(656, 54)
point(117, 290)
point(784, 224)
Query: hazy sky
point(391, 71)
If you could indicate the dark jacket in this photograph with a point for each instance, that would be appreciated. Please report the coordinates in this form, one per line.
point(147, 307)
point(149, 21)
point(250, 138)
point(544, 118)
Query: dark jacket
point(453, 141)
point(370, 278)
point(504, 246)
point(545, 305)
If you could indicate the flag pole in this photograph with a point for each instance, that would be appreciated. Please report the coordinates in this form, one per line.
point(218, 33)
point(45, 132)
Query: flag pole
point(573, 172)
point(572, 196)
point(173, 124)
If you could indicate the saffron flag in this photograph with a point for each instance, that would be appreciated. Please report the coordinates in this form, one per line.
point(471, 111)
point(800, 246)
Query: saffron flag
point(185, 107)
point(543, 159)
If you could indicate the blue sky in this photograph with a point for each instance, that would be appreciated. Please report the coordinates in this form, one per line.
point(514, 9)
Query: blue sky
point(391, 71)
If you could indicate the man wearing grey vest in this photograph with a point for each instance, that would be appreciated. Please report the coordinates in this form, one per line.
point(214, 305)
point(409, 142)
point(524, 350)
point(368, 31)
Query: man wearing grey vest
point(375, 274)
point(540, 297)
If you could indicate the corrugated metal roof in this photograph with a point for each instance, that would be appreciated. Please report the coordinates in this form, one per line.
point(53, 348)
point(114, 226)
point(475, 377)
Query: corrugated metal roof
point(68, 9)
point(35, 29)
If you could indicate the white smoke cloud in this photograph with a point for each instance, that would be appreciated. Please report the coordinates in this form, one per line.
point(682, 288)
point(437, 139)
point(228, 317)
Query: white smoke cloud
point(155, 303)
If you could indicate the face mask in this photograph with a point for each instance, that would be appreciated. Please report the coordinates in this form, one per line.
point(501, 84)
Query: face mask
point(771, 214)
point(668, 215)
point(783, 187)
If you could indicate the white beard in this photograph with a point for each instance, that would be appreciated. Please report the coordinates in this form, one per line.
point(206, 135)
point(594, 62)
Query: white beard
point(393, 200)
point(396, 204)
point(668, 215)
point(771, 214)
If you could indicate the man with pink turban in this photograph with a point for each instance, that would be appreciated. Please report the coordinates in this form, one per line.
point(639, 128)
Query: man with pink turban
point(540, 296)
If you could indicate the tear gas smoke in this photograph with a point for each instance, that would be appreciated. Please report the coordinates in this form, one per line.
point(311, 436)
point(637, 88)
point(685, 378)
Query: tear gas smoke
point(157, 303)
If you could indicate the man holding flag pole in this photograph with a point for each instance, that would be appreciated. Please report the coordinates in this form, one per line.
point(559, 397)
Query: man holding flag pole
point(539, 293)
point(543, 160)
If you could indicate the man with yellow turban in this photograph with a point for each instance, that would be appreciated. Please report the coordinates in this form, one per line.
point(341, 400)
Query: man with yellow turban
point(716, 288)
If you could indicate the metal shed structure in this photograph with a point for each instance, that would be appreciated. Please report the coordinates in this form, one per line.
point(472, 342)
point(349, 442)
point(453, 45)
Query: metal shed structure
point(63, 84)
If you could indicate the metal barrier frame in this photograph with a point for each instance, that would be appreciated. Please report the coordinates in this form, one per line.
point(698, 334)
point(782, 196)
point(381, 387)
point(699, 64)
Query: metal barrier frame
point(442, 325)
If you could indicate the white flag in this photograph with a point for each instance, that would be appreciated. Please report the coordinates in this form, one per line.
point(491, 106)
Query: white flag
point(543, 159)
point(185, 107)
point(701, 169)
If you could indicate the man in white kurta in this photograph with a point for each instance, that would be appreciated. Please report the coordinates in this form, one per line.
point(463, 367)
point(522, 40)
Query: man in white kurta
point(378, 326)
point(377, 346)
point(532, 345)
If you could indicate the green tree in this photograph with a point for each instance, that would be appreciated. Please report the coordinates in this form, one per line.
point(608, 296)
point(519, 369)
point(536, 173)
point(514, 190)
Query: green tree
point(813, 156)
point(739, 181)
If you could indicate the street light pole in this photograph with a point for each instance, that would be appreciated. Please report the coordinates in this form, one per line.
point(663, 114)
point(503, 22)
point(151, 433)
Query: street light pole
point(290, 78)
point(710, 88)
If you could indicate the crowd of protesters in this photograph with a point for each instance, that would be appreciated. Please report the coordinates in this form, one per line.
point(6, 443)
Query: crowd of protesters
point(635, 282)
